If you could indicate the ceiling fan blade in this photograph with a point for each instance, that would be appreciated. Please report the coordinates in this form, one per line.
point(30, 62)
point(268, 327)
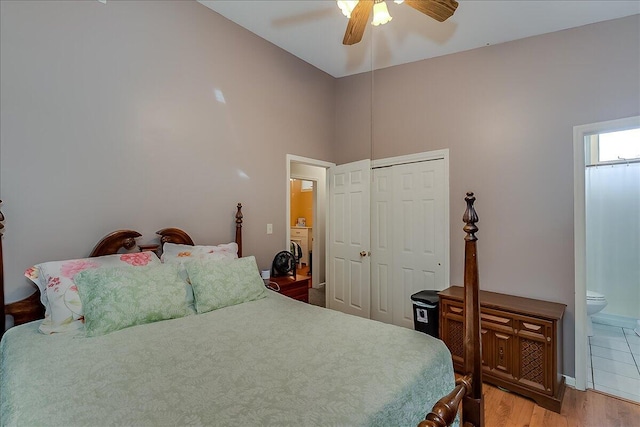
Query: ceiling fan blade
point(357, 22)
point(440, 10)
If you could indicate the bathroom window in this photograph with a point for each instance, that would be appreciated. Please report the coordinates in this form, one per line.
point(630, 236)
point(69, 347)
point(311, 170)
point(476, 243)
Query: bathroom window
point(614, 147)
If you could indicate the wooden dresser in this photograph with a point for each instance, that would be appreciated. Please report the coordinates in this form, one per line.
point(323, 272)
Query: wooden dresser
point(297, 288)
point(521, 342)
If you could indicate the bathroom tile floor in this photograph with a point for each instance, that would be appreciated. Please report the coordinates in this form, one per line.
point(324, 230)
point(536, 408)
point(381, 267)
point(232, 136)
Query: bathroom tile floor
point(614, 361)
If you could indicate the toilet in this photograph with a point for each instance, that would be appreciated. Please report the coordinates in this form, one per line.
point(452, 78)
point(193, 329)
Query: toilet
point(595, 303)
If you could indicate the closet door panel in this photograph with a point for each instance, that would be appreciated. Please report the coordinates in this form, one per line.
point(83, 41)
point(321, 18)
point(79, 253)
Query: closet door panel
point(382, 245)
point(417, 233)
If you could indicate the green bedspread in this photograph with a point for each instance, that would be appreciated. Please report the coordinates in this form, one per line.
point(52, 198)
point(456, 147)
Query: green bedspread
point(271, 362)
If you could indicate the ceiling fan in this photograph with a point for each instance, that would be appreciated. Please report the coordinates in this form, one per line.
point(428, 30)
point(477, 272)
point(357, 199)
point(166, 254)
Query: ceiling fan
point(358, 13)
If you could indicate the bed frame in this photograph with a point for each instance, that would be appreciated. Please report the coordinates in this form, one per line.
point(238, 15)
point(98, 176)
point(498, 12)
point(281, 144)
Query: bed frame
point(468, 389)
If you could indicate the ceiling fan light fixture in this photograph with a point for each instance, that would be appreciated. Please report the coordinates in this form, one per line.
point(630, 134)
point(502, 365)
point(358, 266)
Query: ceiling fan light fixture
point(346, 6)
point(380, 13)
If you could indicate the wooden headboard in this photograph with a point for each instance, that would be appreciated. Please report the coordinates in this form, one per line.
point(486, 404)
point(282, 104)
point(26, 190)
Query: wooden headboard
point(30, 308)
point(113, 242)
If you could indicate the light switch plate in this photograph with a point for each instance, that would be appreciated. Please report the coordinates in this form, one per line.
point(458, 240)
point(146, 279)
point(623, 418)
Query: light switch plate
point(269, 228)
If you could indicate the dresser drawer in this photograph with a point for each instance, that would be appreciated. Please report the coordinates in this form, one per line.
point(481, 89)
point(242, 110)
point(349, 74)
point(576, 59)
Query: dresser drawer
point(295, 232)
point(497, 320)
point(531, 327)
point(300, 292)
point(297, 288)
point(451, 308)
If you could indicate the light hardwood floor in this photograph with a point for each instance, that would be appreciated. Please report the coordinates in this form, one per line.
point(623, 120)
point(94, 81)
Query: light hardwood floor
point(579, 409)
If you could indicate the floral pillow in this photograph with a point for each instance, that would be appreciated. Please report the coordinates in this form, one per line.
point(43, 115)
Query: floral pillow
point(173, 252)
point(119, 297)
point(59, 293)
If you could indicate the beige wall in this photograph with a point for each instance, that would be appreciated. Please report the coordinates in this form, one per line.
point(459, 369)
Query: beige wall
point(506, 113)
point(110, 120)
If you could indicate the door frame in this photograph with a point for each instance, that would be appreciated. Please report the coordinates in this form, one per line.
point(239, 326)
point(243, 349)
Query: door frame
point(291, 158)
point(422, 157)
point(580, 235)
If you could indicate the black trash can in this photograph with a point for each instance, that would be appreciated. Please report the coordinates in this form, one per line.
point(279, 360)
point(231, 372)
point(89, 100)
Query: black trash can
point(426, 314)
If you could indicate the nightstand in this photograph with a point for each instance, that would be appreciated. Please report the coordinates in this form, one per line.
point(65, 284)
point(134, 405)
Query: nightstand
point(150, 247)
point(297, 288)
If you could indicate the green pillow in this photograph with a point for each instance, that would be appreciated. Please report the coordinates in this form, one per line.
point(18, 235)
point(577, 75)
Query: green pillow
point(116, 298)
point(222, 283)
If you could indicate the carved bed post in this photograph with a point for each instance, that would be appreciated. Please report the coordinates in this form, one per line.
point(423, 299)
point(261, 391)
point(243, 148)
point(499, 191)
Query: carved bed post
point(239, 229)
point(472, 404)
point(2, 318)
point(468, 389)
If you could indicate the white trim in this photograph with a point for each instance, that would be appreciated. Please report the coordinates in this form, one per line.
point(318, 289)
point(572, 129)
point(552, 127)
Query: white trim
point(614, 320)
point(306, 161)
point(569, 381)
point(418, 157)
point(291, 158)
point(579, 232)
point(303, 177)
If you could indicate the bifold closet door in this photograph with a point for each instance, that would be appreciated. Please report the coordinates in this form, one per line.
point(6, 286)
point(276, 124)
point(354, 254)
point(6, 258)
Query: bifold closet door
point(408, 237)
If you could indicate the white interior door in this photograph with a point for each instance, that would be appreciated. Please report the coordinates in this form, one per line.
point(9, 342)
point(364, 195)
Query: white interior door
point(408, 237)
point(348, 279)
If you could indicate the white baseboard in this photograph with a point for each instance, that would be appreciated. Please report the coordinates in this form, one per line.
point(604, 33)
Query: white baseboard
point(615, 320)
point(569, 381)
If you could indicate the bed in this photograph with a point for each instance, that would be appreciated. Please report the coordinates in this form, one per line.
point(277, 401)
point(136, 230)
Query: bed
point(266, 360)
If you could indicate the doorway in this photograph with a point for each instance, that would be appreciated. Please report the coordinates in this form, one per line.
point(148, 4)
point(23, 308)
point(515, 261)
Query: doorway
point(312, 171)
point(607, 339)
point(303, 202)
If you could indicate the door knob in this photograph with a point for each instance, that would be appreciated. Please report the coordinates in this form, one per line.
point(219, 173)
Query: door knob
point(364, 253)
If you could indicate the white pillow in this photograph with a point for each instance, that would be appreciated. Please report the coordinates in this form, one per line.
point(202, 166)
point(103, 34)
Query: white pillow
point(172, 252)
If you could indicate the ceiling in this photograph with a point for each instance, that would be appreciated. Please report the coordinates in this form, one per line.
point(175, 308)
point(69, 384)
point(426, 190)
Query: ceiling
point(312, 30)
